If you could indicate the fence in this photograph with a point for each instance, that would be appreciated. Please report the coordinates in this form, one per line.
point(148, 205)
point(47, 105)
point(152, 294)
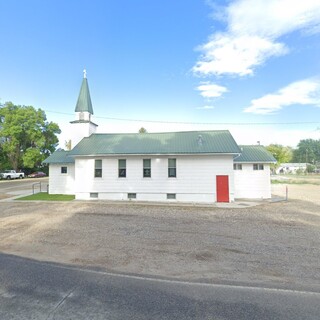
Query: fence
point(40, 187)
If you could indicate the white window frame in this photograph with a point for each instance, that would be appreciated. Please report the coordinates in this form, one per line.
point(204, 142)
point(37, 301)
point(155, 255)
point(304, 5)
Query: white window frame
point(98, 168)
point(122, 170)
point(172, 167)
point(258, 166)
point(146, 168)
point(66, 169)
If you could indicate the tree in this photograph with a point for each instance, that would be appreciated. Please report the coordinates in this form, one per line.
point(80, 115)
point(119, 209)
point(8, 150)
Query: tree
point(282, 154)
point(142, 130)
point(4, 163)
point(308, 151)
point(67, 144)
point(26, 137)
point(311, 168)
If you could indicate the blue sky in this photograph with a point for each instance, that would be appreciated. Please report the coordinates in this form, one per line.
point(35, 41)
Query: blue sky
point(250, 66)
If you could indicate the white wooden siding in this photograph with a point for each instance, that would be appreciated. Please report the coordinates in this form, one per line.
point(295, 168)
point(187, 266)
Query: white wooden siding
point(61, 183)
point(79, 130)
point(195, 181)
point(252, 184)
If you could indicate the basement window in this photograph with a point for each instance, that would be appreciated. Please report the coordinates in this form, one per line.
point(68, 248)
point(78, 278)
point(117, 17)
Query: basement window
point(171, 196)
point(94, 195)
point(132, 195)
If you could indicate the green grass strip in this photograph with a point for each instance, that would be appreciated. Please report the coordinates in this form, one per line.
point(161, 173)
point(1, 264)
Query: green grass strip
point(295, 182)
point(48, 197)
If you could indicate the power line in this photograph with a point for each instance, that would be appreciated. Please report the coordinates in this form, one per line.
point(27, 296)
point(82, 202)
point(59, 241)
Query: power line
point(196, 123)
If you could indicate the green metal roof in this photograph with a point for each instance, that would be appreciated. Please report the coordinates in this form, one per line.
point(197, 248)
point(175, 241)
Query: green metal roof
point(59, 156)
point(84, 100)
point(192, 142)
point(255, 154)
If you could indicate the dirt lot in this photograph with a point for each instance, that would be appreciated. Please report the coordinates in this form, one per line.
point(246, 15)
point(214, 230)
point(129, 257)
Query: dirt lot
point(304, 192)
point(274, 244)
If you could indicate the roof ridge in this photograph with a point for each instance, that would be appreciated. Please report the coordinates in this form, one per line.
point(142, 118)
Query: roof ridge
point(251, 145)
point(148, 133)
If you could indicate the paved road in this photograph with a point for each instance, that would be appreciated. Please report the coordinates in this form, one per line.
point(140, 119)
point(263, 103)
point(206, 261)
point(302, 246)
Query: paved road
point(36, 290)
point(13, 188)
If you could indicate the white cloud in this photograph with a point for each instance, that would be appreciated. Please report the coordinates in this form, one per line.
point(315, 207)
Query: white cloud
point(253, 28)
point(304, 92)
point(206, 107)
point(210, 90)
point(272, 18)
point(227, 54)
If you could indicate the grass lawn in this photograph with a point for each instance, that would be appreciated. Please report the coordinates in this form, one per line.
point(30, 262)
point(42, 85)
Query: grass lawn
point(296, 179)
point(48, 197)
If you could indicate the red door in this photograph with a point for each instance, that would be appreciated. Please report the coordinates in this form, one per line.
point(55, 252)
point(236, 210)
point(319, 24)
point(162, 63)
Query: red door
point(222, 188)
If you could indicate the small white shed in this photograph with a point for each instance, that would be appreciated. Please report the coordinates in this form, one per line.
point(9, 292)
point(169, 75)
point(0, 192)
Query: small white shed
point(252, 173)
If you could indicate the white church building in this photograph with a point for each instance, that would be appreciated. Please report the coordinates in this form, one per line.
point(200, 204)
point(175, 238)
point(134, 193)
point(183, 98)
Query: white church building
point(192, 166)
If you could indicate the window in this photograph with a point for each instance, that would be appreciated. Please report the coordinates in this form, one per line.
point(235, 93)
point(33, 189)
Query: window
point(122, 168)
point(97, 168)
point(171, 195)
point(257, 166)
point(94, 195)
point(64, 170)
point(132, 195)
point(147, 168)
point(172, 168)
point(237, 166)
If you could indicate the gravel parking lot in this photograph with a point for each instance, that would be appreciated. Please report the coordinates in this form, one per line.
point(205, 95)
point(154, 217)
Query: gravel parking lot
point(274, 244)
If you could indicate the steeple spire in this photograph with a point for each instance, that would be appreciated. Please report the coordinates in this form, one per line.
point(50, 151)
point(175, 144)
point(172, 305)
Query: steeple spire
point(82, 126)
point(84, 100)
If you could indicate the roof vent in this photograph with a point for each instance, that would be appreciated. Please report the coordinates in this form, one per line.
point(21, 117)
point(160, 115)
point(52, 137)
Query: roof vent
point(200, 140)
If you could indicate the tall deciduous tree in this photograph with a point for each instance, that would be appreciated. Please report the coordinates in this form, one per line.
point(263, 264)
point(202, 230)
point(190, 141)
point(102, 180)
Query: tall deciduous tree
point(26, 137)
point(282, 154)
point(308, 150)
point(4, 163)
point(142, 130)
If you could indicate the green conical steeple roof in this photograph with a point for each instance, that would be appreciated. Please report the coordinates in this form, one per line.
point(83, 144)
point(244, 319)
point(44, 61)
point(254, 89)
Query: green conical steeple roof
point(84, 101)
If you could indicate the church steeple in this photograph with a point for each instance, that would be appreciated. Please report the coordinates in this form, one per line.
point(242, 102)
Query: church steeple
point(82, 126)
point(84, 103)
